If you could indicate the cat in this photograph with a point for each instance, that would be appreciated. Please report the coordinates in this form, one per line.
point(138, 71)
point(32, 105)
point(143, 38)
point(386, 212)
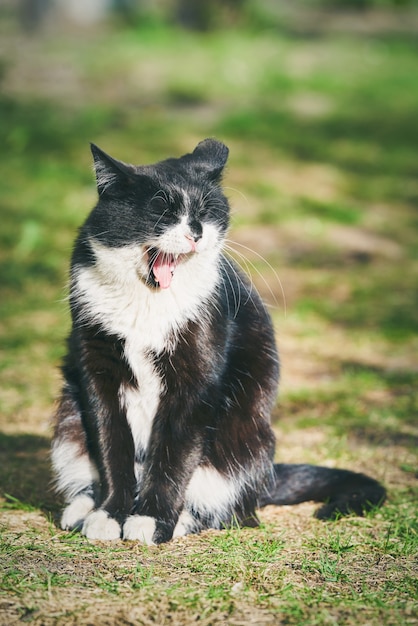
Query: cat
point(163, 423)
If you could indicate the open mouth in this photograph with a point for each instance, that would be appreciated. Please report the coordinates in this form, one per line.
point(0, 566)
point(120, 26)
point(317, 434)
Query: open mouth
point(161, 267)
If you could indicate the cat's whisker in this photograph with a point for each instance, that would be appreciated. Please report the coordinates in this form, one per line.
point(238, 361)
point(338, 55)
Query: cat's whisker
point(146, 251)
point(229, 244)
point(248, 262)
point(160, 218)
point(239, 192)
point(234, 313)
point(98, 235)
point(215, 305)
point(239, 282)
point(248, 274)
point(216, 203)
point(161, 194)
point(237, 298)
point(223, 282)
point(206, 195)
point(146, 255)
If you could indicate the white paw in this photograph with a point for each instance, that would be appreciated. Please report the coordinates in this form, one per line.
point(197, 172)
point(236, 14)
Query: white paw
point(139, 528)
point(76, 512)
point(98, 525)
point(184, 525)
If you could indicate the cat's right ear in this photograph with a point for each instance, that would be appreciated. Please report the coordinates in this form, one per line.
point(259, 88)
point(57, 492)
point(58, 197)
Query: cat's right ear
point(109, 171)
point(211, 155)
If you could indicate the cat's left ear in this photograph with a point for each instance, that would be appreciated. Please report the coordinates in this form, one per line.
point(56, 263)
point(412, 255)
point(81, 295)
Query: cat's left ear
point(109, 171)
point(211, 155)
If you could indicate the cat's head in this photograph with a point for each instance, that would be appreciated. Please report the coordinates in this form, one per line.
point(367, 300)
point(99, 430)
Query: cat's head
point(168, 212)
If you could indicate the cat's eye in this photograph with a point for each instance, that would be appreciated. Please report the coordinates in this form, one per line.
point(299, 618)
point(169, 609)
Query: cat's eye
point(165, 209)
point(202, 210)
point(159, 203)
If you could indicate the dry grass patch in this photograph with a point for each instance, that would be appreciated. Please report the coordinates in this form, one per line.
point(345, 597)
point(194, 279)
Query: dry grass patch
point(293, 570)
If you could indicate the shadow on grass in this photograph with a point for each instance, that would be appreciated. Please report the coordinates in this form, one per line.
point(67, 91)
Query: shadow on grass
point(376, 406)
point(26, 478)
point(383, 298)
point(396, 408)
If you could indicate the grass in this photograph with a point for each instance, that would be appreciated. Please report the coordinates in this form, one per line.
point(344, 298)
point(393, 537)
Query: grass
point(323, 134)
point(314, 578)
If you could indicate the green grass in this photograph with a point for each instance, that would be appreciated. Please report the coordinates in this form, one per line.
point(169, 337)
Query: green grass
point(322, 179)
point(330, 573)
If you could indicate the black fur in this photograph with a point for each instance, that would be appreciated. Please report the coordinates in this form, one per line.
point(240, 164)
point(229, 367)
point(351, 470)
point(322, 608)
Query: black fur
point(216, 373)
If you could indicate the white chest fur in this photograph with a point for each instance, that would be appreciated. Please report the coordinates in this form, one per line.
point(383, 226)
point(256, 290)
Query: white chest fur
point(112, 294)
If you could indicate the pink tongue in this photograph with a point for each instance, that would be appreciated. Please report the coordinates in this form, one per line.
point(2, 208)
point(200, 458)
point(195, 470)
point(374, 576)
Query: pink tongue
point(163, 269)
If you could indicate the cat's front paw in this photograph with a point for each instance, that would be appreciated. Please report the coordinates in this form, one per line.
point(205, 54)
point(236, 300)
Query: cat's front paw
point(99, 525)
point(140, 528)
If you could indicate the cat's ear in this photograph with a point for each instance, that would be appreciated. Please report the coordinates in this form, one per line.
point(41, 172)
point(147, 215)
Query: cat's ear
point(211, 156)
point(109, 171)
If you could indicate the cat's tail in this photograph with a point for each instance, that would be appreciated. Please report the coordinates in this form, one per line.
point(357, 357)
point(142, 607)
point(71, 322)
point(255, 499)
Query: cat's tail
point(344, 492)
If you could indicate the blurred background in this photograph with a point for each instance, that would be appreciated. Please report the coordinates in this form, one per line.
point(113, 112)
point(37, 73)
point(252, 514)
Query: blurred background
point(318, 102)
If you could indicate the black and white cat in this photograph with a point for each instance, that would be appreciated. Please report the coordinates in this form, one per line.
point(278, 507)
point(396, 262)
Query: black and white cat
point(163, 425)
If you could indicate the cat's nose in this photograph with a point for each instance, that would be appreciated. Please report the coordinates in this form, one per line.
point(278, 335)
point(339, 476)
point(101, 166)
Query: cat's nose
point(193, 238)
point(194, 234)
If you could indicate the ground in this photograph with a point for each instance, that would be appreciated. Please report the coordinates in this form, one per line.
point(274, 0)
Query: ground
point(322, 130)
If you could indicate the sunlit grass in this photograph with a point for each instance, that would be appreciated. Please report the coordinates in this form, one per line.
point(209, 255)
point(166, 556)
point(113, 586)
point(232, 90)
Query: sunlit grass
point(323, 136)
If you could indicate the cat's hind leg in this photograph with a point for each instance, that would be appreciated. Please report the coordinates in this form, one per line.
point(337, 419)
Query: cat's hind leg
point(75, 474)
point(186, 525)
point(76, 512)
